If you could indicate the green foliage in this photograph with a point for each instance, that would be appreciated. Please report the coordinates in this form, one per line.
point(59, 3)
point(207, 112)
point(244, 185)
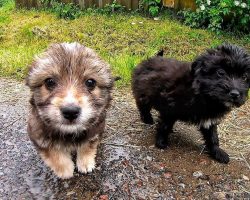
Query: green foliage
point(112, 8)
point(62, 10)
point(153, 6)
point(3, 2)
point(217, 15)
point(72, 11)
point(66, 10)
point(122, 39)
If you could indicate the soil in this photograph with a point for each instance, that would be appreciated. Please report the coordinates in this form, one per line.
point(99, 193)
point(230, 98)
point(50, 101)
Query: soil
point(129, 166)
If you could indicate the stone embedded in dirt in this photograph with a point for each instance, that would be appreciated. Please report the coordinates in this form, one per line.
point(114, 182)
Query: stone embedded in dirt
point(205, 162)
point(149, 158)
point(182, 185)
point(70, 193)
point(104, 197)
point(167, 175)
point(244, 177)
point(198, 174)
point(219, 195)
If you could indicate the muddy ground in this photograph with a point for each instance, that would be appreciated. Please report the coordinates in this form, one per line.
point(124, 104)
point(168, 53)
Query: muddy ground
point(129, 166)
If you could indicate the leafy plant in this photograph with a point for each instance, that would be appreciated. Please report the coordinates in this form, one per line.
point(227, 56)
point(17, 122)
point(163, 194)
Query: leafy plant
point(219, 14)
point(3, 2)
point(153, 6)
point(66, 10)
point(113, 7)
point(62, 10)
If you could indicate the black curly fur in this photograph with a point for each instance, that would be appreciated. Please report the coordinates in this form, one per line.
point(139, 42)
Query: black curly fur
point(201, 92)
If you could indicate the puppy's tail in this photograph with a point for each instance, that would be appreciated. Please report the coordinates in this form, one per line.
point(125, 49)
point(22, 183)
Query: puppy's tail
point(160, 53)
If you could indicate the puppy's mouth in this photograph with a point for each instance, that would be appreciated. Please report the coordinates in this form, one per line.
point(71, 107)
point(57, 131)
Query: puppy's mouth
point(234, 103)
point(238, 103)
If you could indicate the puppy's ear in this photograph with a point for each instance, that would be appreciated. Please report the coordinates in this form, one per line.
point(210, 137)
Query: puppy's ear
point(196, 66)
point(160, 53)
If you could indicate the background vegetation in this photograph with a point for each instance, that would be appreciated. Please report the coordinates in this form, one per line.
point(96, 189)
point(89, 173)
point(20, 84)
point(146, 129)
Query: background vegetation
point(217, 15)
point(122, 39)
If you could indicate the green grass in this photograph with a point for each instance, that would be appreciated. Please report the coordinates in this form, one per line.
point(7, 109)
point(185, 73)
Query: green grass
point(116, 38)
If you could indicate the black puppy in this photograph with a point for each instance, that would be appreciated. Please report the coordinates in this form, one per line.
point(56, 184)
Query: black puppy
point(201, 92)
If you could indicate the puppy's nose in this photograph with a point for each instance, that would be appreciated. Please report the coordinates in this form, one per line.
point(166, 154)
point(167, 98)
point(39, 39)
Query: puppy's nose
point(70, 112)
point(235, 94)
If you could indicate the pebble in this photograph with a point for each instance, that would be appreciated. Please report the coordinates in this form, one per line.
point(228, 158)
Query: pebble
point(244, 177)
point(198, 174)
point(104, 197)
point(182, 185)
point(149, 158)
point(70, 193)
point(167, 175)
point(219, 195)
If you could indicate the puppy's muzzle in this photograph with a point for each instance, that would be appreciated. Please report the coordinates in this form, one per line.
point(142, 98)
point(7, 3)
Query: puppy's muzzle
point(234, 94)
point(71, 112)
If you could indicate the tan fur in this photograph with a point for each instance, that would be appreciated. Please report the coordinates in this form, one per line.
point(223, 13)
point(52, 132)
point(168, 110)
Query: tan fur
point(59, 161)
point(86, 154)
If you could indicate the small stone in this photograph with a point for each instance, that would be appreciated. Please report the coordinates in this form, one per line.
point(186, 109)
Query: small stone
point(70, 193)
point(156, 18)
point(167, 175)
point(219, 195)
point(198, 174)
point(104, 197)
point(182, 185)
point(244, 177)
point(149, 158)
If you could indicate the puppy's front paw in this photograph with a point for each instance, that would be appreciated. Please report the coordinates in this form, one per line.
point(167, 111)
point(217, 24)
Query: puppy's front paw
point(65, 171)
point(86, 164)
point(147, 119)
point(220, 155)
point(60, 162)
point(161, 143)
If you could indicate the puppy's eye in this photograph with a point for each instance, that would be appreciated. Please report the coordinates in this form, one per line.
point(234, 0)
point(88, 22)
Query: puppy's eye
point(245, 77)
point(221, 73)
point(90, 83)
point(50, 83)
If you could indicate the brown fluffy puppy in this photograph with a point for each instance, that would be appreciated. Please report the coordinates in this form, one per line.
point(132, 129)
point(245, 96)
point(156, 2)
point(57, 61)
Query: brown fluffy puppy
point(71, 90)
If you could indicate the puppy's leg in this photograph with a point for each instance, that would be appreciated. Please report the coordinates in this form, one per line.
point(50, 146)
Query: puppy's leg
point(212, 142)
point(164, 128)
point(86, 154)
point(144, 110)
point(59, 161)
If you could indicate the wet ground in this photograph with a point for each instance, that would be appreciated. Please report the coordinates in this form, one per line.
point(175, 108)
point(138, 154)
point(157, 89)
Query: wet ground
point(129, 166)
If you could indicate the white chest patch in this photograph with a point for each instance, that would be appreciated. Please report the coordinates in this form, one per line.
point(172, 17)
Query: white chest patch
point(209, 122)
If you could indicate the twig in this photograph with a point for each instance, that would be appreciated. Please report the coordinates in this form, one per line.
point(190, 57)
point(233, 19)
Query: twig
point(202, 150)
point(245, 160)
point(121, 145)
point(12, 123)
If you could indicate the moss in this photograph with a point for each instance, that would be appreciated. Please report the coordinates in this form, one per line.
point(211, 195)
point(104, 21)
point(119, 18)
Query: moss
point(121, 39)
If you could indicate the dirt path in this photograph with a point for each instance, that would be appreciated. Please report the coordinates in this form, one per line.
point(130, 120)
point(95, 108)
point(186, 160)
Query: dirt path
point(129, 166)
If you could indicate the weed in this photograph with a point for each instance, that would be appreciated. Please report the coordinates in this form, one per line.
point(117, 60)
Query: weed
point(153, 6)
